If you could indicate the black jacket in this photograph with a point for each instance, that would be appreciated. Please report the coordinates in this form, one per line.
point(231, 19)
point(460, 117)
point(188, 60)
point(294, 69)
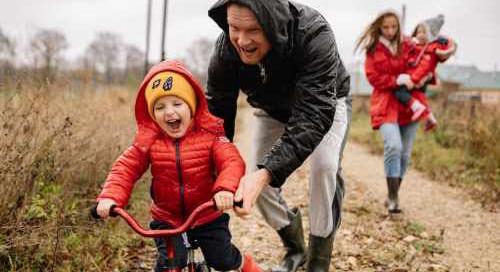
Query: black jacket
point(296, 83)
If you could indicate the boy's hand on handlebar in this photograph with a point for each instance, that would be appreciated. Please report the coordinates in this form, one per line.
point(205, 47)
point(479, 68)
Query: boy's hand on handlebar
point(103, 207)
point(224, 200)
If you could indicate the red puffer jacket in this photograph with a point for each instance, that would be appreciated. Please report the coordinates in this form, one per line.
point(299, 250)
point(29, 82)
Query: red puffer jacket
point(382, 69)
point(422, 60)
point(186, 171)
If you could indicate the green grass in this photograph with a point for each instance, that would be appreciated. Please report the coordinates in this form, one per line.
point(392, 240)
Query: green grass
point(462, 151)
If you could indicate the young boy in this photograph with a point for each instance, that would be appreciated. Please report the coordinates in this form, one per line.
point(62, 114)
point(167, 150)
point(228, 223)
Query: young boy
point(191, 162)
point(429, 50)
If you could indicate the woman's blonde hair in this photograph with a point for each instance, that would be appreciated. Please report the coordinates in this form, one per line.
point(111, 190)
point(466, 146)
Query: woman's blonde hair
point(368, 40)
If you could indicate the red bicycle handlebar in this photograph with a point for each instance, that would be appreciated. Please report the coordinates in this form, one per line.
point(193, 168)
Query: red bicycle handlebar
point(114, 211)
point(162, 233)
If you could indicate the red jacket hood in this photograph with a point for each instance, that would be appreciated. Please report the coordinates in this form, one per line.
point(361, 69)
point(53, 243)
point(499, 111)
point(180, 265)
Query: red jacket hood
point(148, 130)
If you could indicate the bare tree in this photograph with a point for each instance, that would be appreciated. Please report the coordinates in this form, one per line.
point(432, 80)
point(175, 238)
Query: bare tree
point(7, 47)
point(7, 53)
point(104, 51)
point(198, 58)
point(134, 61)
point(47, 46)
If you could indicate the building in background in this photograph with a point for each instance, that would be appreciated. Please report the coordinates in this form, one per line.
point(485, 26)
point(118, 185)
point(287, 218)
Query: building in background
point(459, 82)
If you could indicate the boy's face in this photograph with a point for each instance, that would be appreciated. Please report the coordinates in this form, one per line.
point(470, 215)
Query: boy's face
point(173, 115)
point(246, 34)
point(421, 34)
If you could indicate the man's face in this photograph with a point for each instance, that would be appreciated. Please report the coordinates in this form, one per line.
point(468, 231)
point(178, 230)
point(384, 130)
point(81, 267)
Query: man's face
point(246, 34)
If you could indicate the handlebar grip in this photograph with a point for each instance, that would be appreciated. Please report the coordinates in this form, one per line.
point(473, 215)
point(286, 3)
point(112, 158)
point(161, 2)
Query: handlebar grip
point(95, 215)
point(238, 204)
point(112, 212)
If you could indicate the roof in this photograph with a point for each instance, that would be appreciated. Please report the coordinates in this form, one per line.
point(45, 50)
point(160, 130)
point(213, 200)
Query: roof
point(456, 73)
point(469, 76)
point(484, 80)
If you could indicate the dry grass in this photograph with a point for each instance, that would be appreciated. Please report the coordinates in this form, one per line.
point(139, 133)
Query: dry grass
point(57, 145)
point(463, 151)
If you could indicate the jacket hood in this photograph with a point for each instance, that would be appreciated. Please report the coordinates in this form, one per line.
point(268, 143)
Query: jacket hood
point(148, 130)
point(273, 15)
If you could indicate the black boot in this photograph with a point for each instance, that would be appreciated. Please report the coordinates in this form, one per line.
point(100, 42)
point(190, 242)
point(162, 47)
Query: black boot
point(319, 253)
point(292, 237)
point(393, 189)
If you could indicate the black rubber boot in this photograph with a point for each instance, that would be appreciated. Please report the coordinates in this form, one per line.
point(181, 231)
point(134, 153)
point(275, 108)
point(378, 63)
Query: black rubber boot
point(319, 253)
point(392, 200)
point(292, 237)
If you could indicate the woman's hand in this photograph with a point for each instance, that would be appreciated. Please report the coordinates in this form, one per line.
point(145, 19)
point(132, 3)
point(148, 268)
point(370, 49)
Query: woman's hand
point(103, 207)
point(224, 200)
point(404, 79)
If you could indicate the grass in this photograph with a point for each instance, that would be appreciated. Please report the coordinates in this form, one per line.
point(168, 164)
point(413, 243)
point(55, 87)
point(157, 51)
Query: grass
point(462, 151)
point(57, 145)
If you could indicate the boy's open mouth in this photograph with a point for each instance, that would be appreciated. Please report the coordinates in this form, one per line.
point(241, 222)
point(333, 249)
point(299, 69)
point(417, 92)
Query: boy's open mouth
point(174, 124)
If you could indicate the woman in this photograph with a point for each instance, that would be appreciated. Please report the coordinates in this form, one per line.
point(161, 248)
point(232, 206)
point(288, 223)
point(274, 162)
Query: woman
point(386, 62)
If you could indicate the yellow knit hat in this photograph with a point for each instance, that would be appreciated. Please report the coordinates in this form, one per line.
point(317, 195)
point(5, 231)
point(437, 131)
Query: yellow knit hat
point(169, 83)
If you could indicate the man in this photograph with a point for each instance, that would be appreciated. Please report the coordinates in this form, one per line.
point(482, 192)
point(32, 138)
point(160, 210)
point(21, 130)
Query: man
point(284, 57)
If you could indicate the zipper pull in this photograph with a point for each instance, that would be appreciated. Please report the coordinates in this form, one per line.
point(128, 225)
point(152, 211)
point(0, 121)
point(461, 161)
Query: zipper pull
point(263, 75)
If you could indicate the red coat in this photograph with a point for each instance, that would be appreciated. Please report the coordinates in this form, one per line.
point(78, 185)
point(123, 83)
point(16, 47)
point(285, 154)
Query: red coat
point(422, 60)
point(382, 69)
point(186, 171)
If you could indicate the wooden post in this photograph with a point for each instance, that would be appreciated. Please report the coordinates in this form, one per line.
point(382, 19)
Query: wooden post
point(148, 31)
point(164, 31)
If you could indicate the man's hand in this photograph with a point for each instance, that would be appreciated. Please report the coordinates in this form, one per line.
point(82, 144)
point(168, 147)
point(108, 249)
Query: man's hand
point(103, 207)
point(249, 189)
point(224, 200)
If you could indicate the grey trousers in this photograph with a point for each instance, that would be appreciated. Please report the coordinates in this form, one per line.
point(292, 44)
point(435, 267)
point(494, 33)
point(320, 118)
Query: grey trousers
point(326, 185)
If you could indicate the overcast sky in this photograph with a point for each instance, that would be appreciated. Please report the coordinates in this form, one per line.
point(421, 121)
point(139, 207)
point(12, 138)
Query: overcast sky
point(475, 25)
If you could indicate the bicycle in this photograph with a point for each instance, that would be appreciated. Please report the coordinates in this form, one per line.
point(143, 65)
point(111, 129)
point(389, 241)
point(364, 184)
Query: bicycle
point(192, 264)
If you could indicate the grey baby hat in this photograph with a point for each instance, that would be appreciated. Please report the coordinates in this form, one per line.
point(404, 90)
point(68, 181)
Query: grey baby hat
point(433, 26)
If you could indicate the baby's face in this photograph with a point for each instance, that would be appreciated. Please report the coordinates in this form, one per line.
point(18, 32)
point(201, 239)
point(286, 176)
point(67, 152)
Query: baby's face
point(173, 115)
point(421, 34)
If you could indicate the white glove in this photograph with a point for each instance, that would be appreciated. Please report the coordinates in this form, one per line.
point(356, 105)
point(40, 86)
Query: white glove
point(403, 79)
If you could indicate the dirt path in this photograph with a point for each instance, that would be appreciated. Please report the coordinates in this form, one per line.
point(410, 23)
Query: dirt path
point(440, 229)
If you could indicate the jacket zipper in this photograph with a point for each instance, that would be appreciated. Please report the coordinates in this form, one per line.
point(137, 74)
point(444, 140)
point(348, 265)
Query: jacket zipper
point(179, 173)
point(263, 74)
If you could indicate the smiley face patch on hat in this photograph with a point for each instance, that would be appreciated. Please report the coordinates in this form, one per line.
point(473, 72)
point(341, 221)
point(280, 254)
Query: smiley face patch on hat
point(169, 83)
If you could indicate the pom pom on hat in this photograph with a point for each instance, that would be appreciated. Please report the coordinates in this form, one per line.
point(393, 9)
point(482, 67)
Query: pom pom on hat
point(169, 83)
point(433, 26)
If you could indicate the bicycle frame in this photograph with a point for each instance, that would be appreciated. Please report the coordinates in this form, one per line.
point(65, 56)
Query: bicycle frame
point(164, 234)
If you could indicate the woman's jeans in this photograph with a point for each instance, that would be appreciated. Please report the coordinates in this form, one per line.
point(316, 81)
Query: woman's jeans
point(398, 143)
